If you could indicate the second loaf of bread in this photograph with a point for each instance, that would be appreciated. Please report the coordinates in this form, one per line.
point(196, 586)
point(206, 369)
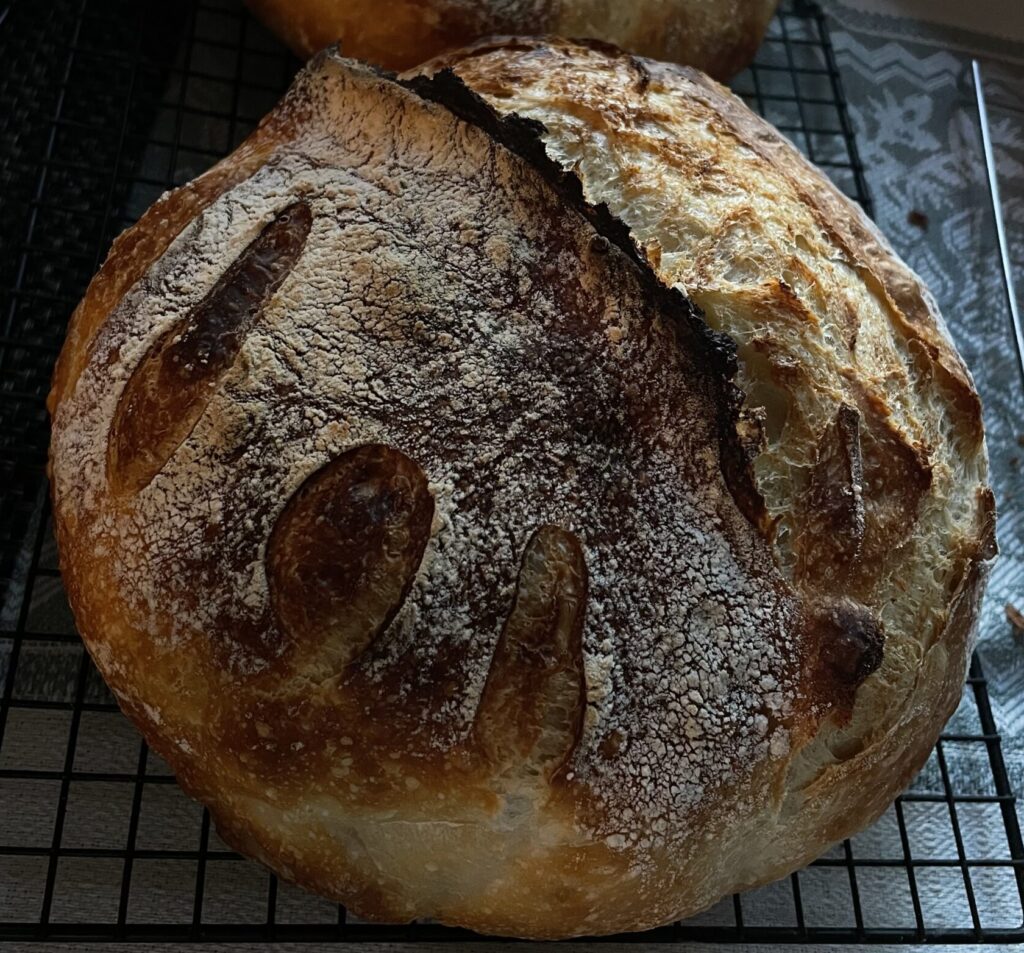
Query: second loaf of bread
point(718, 36)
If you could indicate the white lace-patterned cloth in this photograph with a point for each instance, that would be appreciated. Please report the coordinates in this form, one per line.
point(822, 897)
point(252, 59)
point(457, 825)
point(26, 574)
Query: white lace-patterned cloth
point(996, 18)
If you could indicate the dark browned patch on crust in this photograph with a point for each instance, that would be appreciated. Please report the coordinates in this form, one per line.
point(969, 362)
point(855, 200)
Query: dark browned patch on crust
point(987, 546)
point(831, 509)
point(849, 642)
point(739, 448)
point(344, 553)
point(851, 324)
point(531, 711)
point(718, 351)
point(172, 385)
point(643, 74)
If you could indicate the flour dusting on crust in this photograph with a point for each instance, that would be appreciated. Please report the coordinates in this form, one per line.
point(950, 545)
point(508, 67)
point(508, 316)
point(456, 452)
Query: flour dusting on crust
point(444, 307)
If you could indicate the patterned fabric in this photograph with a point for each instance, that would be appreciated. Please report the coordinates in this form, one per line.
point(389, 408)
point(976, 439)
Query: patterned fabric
point(912, 104)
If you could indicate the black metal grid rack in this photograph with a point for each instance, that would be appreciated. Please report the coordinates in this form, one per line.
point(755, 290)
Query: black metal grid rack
point(103, 105)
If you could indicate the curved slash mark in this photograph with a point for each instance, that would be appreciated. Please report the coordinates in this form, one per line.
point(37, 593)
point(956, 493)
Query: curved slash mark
point(531, 711)
point(174, 382)
point(344, 552)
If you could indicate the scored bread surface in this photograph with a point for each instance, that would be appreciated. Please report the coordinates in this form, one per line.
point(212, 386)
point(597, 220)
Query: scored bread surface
point(428, 536)
point(840, 345)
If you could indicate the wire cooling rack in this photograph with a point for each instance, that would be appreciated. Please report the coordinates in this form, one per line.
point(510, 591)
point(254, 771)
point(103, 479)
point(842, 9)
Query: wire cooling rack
point(103, 105)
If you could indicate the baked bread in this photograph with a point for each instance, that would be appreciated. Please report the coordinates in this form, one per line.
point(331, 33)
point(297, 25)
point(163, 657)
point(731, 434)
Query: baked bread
point(717, 36)
point(417, 517)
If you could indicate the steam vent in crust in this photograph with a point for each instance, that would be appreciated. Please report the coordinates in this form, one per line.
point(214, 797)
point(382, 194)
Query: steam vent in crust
point(522, 493)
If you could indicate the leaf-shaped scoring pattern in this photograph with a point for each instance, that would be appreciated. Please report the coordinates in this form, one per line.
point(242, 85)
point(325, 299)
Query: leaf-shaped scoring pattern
point(531, 710)
point(175, 381)
point(345, 551)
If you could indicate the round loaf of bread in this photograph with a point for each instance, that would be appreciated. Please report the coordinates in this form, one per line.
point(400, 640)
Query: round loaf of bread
point(543, 509)
point(717, 36)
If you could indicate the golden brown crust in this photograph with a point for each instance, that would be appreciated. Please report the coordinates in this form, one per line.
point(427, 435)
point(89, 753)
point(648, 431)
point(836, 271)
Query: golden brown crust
point(859, 238)
point(717, 36)
point(457, 597)
point(873, 498)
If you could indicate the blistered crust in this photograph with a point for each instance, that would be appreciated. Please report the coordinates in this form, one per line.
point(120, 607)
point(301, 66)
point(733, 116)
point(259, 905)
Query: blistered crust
point(458, 597)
